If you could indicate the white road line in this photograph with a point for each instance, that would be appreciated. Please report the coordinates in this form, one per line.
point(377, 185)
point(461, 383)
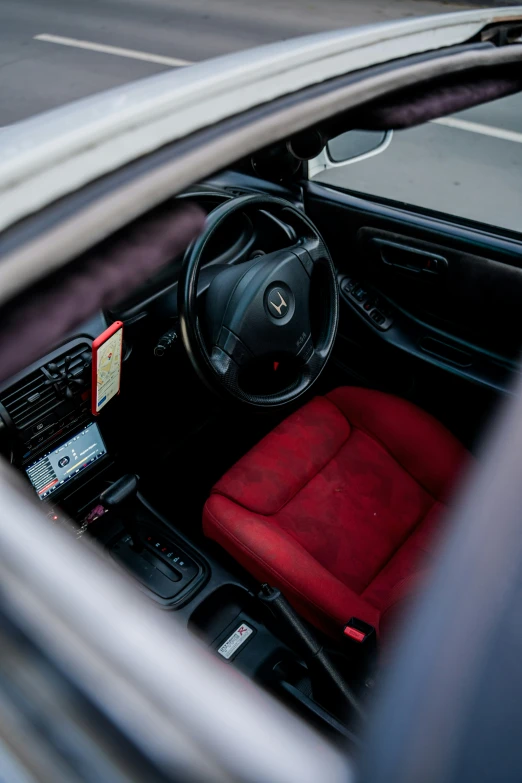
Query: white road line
point(115, 50)
point(477, 127)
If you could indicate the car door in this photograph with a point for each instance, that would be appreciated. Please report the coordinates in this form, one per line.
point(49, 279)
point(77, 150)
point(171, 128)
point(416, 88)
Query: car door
point(429, 298)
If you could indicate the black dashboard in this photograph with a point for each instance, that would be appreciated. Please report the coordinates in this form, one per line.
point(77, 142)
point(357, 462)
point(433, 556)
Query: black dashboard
point(47, 405)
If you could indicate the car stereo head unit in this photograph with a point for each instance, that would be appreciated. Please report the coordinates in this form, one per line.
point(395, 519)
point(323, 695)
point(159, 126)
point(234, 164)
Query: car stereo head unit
point(51, 471)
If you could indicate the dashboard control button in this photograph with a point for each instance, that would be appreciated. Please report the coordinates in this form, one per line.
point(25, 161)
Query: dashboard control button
point(39, 426)
point(46, 428)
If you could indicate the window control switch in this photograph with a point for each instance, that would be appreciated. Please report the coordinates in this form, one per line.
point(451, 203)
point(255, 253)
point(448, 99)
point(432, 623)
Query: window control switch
point(367, 303)
point(377, 317)
point(359, 294)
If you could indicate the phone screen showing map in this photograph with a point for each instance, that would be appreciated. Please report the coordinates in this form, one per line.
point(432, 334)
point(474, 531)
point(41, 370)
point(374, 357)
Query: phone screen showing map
point(106, 364)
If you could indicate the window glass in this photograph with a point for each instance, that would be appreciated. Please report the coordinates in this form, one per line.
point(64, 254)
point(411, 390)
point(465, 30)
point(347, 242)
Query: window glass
point(468, 165)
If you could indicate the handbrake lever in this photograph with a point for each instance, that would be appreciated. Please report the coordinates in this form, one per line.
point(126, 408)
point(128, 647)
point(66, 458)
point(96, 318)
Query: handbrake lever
point(314, 654)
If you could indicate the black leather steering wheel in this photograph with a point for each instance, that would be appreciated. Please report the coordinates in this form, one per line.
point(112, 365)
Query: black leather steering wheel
point(261, 306)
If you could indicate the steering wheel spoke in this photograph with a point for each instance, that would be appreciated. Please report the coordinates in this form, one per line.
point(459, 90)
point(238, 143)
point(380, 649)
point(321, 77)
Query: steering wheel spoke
point(307, 353)
point(224, 366)
point(310, 250)
point(310, 358)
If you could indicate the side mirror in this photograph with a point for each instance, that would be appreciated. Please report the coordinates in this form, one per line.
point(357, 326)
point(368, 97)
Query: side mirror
point(349, 147)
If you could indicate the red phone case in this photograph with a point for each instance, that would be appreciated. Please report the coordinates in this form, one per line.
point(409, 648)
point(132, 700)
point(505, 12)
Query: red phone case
point(102, 338)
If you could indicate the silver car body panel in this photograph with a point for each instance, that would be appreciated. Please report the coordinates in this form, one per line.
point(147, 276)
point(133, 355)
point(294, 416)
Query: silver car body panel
point(53, 154)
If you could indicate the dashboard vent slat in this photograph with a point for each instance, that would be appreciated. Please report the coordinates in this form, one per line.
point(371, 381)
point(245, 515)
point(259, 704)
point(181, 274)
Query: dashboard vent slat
point(34, 396)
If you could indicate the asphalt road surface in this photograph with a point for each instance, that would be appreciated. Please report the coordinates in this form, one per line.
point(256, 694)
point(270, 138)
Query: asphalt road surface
point(55, 51)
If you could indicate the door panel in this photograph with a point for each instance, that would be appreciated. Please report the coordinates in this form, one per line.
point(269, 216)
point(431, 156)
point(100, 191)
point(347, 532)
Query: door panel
point(470, 296)
point(429, 309)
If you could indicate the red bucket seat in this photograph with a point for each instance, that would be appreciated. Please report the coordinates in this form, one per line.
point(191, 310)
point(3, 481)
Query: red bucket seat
point(338, 506)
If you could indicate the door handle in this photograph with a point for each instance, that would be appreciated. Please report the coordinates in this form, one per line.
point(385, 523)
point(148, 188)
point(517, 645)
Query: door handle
point(410, 259)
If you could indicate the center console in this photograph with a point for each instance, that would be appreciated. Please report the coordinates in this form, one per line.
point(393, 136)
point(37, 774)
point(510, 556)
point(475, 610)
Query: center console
point(50, 434)
point(82, 463)
point(167, 567)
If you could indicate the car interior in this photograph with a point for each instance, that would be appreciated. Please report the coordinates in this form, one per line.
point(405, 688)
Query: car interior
point(265, 432)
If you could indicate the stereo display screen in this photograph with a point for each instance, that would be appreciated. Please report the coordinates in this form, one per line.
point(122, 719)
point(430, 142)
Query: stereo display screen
point(66, 461)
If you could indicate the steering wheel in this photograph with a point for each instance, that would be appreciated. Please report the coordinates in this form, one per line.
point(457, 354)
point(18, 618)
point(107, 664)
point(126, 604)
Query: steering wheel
point(284, 303)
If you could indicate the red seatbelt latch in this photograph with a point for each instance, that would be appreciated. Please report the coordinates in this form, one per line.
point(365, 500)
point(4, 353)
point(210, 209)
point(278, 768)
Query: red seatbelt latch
point(358, 630)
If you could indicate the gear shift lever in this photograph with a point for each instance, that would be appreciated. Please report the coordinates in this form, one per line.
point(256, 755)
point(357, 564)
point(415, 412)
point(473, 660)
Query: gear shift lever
point(119, 498)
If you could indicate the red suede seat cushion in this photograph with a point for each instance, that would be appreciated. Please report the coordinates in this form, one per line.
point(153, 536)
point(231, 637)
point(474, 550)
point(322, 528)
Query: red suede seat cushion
point(338, 505)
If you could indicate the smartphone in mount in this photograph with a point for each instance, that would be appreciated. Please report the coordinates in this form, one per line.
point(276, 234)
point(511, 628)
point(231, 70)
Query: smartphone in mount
point(107, 358)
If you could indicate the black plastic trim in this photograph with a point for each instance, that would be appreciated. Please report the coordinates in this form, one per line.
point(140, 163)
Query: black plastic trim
point(148, 518)
point(408, 334)
point(464, 233)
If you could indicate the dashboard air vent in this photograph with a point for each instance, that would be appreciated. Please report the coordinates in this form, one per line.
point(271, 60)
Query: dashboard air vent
point(39, 393)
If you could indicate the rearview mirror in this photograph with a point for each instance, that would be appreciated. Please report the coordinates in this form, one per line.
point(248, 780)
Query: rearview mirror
point(350, 147)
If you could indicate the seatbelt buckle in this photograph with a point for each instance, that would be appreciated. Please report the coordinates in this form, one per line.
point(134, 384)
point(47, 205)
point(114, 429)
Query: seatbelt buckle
point(358, 631)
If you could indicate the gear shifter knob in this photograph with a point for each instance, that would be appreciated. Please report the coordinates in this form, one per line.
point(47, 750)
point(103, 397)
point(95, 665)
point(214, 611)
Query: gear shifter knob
point(119, 499)
point(121, 492)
